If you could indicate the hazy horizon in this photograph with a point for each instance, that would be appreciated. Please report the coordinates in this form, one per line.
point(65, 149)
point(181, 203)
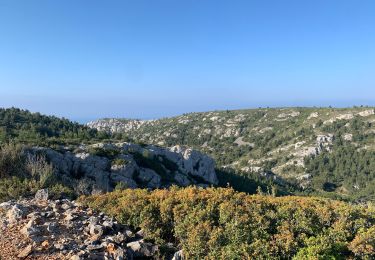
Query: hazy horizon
point(88, 119)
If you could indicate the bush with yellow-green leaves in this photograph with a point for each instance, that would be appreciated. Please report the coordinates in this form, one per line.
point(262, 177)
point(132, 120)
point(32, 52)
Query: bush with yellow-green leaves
point(219, 223)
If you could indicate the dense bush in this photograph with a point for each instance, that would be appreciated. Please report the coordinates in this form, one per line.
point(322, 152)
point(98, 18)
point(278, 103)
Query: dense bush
point(223, 224)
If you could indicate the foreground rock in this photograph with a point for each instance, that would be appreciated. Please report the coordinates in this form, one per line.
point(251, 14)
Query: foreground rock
point(63, 229)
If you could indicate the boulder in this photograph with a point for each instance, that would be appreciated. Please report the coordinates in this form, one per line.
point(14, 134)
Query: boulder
point(150, 178)
point(142, 249)
point(96, 230)
point(51, 226)
point(25, 252)
point(178, 256)
point(42, 195)
point(15, 213)
point(128, 182)
point(126, 170)
point(6, 205)
point(30, 229)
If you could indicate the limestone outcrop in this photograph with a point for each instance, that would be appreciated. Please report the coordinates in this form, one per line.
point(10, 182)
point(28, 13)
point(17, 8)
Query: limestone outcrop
point(102, 167)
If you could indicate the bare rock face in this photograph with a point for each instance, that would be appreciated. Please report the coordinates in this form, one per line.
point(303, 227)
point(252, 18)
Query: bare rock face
point(182, 179)
point(126, 170)
point(150, 177)
point(130, 166)
point(196, 163)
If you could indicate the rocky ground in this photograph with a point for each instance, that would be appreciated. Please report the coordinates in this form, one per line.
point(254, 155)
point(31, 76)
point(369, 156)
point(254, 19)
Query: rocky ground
point(39, 228)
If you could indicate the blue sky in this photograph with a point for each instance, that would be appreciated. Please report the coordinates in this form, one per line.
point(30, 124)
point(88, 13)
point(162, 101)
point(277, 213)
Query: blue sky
point(85, 59)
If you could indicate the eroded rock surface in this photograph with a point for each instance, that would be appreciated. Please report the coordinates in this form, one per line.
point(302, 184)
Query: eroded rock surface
point(101, 167)
point(63, 229)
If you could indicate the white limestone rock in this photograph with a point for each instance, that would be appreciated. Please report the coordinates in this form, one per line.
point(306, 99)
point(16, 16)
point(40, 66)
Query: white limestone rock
point(366, 113)
point(348, 137)
point(313, 115)
point(196, 163)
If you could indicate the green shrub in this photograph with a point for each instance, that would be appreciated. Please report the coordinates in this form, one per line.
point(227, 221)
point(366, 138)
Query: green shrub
point(15, 187)
point(219, 223)
point(109, 153)
point(39, 169)
point(119, 162)
point(12, 160)
point(121, 186)
point(363, 245)
point(59, 191)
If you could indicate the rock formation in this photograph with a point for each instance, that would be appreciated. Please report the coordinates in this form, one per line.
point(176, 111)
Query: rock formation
point(101, 167)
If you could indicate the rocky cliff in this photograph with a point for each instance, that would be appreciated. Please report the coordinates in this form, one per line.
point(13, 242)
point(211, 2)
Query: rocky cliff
point(103, 167)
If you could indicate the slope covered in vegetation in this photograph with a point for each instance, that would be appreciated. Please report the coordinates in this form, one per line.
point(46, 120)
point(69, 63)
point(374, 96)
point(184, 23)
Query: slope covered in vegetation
point(290, 145)
point(219, 223)
point(22, 126)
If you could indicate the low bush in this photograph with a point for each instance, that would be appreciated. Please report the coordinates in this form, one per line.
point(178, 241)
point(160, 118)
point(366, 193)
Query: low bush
point(119, 162)
point(15, 187)
point(109, 153)
point(219, 223)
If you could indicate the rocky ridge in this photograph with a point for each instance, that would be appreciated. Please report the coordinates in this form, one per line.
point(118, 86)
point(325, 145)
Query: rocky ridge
point(118, 125)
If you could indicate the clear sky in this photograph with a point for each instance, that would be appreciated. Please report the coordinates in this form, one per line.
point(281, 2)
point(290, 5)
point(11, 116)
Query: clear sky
point(84, 59)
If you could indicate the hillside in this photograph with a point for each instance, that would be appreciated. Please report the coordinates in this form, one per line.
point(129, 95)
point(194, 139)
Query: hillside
point(22, 126)
point(324, 150)
point(38, 151)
